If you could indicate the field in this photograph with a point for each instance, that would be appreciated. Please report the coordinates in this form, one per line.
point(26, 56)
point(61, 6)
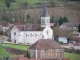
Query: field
point(3, 53)
point(72, 56)
point(18, 2)
point(21, 47)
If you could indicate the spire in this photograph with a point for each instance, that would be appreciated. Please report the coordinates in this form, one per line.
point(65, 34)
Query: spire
point(45, 13)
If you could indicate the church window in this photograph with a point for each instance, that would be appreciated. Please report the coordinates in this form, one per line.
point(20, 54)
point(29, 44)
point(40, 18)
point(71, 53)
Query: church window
point(47, 21)
point(43, 22)
point(26, 34)
point(14, 33)
point(35, 35)
point(5, 29)
point(57, 53)
point(31, 35)
point(42, 53)
point(50, 53)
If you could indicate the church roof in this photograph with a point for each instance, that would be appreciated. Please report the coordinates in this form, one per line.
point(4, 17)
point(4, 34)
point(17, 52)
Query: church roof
point(29, 27)
point(46, 44)
point(45, 13)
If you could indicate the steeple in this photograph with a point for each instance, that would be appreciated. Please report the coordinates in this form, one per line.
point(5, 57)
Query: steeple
point(45, 13)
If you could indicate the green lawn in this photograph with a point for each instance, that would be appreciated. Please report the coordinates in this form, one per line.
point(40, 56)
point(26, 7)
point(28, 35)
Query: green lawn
point(72, 56)
point(3, 52)
point(21, 47)
point(16, 4)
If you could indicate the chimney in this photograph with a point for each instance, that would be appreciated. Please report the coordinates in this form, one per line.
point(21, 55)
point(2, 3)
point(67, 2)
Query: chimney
point(6, 58)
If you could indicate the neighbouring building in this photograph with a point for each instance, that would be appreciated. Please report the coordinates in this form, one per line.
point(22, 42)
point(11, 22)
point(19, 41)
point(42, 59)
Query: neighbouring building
point(46, 49)
point(76, 46)
point(4, 26)
point(70, 26)
point(20, 57)
point(74, 40)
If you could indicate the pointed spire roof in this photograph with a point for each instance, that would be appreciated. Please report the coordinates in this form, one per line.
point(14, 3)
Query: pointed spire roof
point(45, 12)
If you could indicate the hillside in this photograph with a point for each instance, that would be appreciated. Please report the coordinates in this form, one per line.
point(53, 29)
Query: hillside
point(72, 13)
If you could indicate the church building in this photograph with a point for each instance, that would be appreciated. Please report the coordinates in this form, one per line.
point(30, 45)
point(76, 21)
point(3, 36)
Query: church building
point(29, 34)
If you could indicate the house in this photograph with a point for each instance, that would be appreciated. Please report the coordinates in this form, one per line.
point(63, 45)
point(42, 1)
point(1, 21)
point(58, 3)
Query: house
point(75, 34)
point(20, 57)
point(70, 26)
point(30, 33)
point(46, 49)
point(76, 46)
point(74, 39)
point(4, 26)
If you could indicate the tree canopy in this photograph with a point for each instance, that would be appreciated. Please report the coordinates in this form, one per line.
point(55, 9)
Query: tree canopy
point(79, 28)
point(62, 20)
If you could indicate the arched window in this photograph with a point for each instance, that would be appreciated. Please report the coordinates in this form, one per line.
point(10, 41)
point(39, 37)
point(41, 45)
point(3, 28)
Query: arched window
point(57, 53)
point(43, 21)
point(50, 53)
point(42, 53)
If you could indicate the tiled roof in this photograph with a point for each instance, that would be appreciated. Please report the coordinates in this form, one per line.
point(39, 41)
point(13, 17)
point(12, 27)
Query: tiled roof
point(77, 44)
point(5, 24)
point(72, 24)
point(15, 57)
point(73, 38)
point(10, 29)
point(57, 59)
point(21, 57)
point(46, 44)
point(28, 27)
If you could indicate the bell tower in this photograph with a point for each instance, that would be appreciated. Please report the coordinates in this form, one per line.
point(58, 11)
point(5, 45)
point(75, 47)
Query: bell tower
point(45, 19)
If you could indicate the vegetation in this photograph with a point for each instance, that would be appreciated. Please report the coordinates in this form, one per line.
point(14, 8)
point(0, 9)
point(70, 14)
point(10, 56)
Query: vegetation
point(24, 47)
point(62, 20)
point(8, 4)
point(27, 54)
point(72, 56)
point(79, 28)
point(3, 52)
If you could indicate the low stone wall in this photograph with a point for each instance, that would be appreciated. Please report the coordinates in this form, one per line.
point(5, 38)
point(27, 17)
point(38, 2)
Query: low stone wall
point(15, 51)
point(72, 50)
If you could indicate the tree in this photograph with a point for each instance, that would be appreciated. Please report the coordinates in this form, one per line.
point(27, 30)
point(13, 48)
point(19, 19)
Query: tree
point(52, 3)
point(8, 4)
point(65, 19)
point(24, 5)
point(79, 28)
point(60, 21)
point(28, 18)
point(27, 54)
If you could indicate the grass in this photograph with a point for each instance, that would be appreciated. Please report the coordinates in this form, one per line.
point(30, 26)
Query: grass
point(72, 56)
point(16, 4)
point(21, 47)
point(3, 53)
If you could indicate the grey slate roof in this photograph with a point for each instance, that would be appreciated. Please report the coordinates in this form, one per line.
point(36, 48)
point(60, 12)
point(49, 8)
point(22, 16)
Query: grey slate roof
point(45, 12)
point(46, 44)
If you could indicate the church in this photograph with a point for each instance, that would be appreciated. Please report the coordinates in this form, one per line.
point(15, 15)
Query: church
point(29, 34)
